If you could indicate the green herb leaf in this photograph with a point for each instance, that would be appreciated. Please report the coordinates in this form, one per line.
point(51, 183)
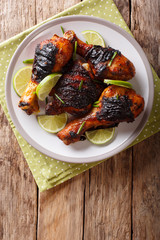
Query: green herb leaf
point(28, 60)
point(80, 85)
point(62, 29)
point(80, 128)
point(59, 98)
point(87, 42)
point(46, 100)
point(109, 64)
point(75, 50)
point(96, 102)
point(95, 105)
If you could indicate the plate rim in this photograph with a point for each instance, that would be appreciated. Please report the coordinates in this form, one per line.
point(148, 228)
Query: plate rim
point(134, 134)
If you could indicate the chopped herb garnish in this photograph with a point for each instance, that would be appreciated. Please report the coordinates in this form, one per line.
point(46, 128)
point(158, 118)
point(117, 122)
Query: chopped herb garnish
point(96, 102)
point(80, 128)
point(46, 100)
point(95, 105)
point(109, 64)
point(87, 42)
point(59, 98)
point(62, 29)
point(117, 96)
point(75, 50)
point(28, 60)
point(80, 85)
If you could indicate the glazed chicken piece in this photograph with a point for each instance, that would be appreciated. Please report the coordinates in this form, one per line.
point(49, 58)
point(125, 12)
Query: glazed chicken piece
point(50, 56)
point(116, 104)
point(102, 60)
point(75, 91)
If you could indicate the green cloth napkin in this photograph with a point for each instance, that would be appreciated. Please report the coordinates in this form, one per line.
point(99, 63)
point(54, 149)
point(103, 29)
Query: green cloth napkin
point(49, 172)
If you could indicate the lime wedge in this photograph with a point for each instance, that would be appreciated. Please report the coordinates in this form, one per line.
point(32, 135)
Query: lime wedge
point(21, 79)
point(46, 85)
point(100, 136)
point(118, 83)
point(52, 123)
point(92, 37)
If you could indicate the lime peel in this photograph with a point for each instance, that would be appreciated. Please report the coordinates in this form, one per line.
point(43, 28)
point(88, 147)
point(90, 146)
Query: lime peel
point(52, 123)
point(100, 136)
point(21, 79)
point(118, 83)
point(93, 37)
point(46, 85)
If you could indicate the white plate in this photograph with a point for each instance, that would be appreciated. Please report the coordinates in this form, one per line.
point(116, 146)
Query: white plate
point(81, 152)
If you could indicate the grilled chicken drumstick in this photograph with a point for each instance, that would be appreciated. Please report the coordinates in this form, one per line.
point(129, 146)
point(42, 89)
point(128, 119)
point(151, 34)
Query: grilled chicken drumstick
point(75, 91)
point(102, 60)
point(116, 104)
point(50, 56)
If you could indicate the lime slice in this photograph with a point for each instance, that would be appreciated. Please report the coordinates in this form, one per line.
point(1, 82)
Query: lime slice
point(52, 123)
point(92, 37)
point(118, 83)
point(100, 136)
point(46, 85)
point(21, 79)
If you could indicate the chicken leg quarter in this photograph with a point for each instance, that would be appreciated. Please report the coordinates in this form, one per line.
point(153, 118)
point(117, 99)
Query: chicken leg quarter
point(116, 104)
point(102, 60)
point(50, 56)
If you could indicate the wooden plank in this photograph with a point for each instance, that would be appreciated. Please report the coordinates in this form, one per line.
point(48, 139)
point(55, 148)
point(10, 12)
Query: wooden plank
point(124, 9)
point(61, 211)
point(146, 163)
point(146, 28)
point(18, 201)
point(46, 8)
point(108, 199)
point(146, 189)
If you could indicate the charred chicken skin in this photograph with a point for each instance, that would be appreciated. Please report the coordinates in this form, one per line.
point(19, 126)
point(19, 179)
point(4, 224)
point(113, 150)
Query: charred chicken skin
point(116, 104)
point(75, 91)
point(99, 59)
point(50, 56)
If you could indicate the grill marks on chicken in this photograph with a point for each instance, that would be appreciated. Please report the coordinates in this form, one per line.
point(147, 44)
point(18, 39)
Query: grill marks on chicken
point(44, 60)
point(50, 56)
point(76, 90)
point(99, 58)
point(116, 104)
point(116, 108)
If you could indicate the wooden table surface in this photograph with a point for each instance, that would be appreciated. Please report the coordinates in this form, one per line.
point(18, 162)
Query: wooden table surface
point(117, 200)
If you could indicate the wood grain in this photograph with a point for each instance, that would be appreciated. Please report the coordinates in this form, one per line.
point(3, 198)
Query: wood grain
point(145, 26)
point(46, 9)
point(146, 189)
point(108, 199)
point(61, 211)
point(124, 9)
point(145, 17)
point(18, 191)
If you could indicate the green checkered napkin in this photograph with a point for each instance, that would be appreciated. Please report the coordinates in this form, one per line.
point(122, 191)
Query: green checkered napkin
point(47, 171)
